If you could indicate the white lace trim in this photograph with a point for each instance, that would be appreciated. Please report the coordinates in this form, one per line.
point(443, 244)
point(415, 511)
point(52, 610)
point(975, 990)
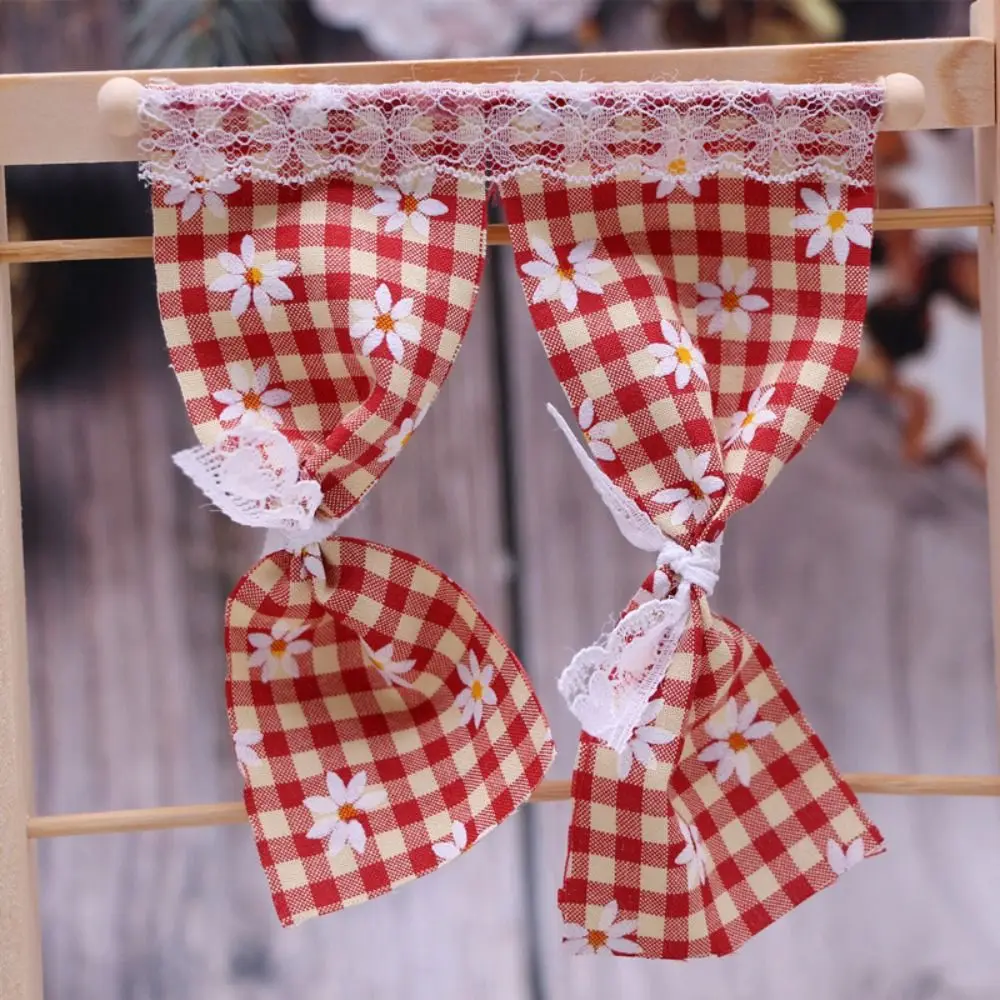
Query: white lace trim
point(321, 529)
point(196, 135)
point(252, 475)
point(608, 686)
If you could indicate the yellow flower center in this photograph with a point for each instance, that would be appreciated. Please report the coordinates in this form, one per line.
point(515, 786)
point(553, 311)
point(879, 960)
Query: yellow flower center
point(748, 419)
point(384, 322)
point(251, 401)
point(677, 167)
point(254, 276)
point(836, 221)
point(347, 812)
point(730, 301)
point(683, 355)
point(377, 664)
point(738, 742)
point(566, 272)
point(477, 690)
point(696, 491)
point(278, 647)
point(198, 182)
point(597, 939)
point(404, 440)
point(409, 204)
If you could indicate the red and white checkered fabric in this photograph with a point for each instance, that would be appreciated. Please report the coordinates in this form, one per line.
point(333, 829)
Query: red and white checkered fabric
point(702, 330)
point(698, 275)
point(383, 725)
point(304, 308)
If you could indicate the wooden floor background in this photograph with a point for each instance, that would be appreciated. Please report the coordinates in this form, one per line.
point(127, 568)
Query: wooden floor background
point(866, 580)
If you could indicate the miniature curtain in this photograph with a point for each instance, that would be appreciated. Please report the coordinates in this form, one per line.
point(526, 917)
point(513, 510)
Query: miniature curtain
point(703, 317)
point(313, 303)
point(696, 259)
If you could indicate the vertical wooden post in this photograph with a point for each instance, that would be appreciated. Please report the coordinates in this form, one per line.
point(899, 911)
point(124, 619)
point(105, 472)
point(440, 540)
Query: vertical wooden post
point(985, 21)
point(20, 940)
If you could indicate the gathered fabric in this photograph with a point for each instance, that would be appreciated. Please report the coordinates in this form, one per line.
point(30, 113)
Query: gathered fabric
point(695, 257)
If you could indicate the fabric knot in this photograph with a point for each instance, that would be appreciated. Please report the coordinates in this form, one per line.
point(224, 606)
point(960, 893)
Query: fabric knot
point(697, 567)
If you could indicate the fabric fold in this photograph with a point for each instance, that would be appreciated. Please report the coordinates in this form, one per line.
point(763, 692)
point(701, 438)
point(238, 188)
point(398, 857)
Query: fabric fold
point(381, 725)
point(702, 328)
point(695, 256)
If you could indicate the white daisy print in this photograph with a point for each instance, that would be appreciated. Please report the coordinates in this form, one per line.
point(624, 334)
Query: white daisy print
point(337, 816)
point(684, 158)
point(730, 300)
point(311, 558)
point(733, 734)
point(643, 739)
point(598, 435)
point(477, 690)
point(448, 849)
point(410, 204)
point(607, 936)
point(398, 441)
point(693, 854)
point(244, 741)
point(745, 422)
point(833, 224)
point(385, 320)
point(564, 281)
point(274, 654)
point(390, 670)
point(200, 190)
point(692, 500)
point(841, 859)
point(678, 356)
point(250, 400)
point(252, 280)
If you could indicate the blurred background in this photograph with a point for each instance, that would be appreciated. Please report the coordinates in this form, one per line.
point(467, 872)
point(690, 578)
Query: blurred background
point(863, 570)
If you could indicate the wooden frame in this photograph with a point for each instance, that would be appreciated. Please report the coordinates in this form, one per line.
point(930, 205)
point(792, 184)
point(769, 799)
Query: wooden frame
point(54, 118)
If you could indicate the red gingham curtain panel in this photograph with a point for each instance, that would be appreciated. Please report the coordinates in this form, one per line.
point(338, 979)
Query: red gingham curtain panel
point(702, 330)
point(381, 725)
point(696, 259)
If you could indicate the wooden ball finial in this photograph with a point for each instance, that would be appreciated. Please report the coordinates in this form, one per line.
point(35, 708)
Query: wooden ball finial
point(905, 101)
point(118, 105)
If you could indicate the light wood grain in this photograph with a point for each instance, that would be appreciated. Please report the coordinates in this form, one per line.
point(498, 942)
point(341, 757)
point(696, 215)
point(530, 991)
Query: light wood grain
point(224, 813)
point(127, 247)
point(985, 16)
point(53, 118)
point(20, 951)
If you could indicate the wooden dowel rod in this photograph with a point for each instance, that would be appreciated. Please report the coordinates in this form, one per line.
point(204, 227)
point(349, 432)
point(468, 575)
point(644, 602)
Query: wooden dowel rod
point(222, 813)
point(118, 103)
point(121, 247)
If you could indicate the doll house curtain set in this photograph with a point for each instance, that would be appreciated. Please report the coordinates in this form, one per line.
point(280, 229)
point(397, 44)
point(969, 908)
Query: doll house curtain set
point(695, 258)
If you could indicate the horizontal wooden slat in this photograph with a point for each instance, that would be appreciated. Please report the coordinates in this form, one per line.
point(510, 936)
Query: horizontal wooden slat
point(52, 118)
point(222, 813)
point(120, 247)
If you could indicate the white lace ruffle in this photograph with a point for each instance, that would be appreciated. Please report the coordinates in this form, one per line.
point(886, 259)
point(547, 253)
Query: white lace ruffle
point(292, 134)
point(252, 475)
point(608, 686)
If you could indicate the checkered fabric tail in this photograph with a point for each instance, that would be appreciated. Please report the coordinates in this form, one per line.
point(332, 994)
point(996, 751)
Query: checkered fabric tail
point(703, 326)
point(383, 725)
point(312, 315)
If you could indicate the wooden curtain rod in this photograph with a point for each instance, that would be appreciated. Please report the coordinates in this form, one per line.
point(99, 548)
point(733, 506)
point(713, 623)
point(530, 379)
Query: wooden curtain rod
point(120, 247)
point(957, 75)
point(118, 103)
point(223, 813)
